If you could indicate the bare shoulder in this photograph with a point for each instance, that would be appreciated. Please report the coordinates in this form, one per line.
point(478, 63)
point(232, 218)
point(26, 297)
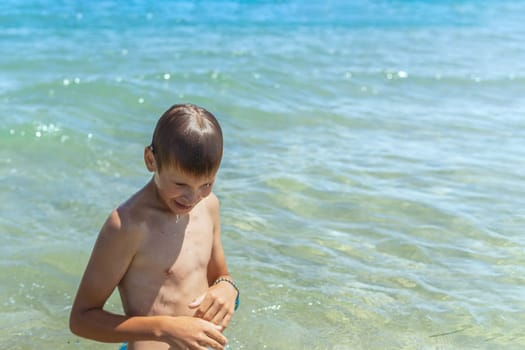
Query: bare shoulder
point(118, 236)
point(212, 201)
point(120, 221)
point(213, 209)
point(113, 222)
point(124, 224)
point(212, 205)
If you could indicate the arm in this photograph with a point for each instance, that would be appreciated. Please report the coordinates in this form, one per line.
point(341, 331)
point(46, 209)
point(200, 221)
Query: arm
point(113, 252)
point(111, 256)
point(217, 265)
point(218, 303)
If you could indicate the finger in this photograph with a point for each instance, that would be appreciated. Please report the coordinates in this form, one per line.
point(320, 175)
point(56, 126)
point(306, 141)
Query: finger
point(212, 311)
point(226, 320)
point(203, 307)
point(198, 344)
point(206, 304)
point(201, 346)
point(216, 336)
point(195, 303)
point(210, 343)
point(213, 345)
point(219, 316)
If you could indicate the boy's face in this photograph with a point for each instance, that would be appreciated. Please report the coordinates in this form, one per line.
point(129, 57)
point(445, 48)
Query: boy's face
point(181, 191)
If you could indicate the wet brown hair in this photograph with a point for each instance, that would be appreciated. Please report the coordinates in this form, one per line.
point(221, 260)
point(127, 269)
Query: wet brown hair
point(189, 138)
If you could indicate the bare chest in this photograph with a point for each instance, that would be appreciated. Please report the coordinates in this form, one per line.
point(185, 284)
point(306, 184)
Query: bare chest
point(169, 269)
point(177, 251)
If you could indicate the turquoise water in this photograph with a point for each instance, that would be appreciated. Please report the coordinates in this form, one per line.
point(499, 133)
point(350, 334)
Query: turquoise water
point(373, 181)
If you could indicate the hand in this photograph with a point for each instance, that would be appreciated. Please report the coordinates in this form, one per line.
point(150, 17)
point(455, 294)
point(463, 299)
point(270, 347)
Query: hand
point(216, 305)
point(193, 334)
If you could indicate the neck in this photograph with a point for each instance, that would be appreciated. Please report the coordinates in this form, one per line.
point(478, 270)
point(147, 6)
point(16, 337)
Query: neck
point(160, 202)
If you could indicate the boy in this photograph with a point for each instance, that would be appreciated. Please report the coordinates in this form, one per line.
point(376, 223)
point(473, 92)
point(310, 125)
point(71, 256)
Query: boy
point(163, 250)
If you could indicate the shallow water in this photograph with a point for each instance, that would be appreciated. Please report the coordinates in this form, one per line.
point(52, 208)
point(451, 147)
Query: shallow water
point(372, 186)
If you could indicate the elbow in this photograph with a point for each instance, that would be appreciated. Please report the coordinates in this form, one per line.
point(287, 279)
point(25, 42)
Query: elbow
point(75, 323)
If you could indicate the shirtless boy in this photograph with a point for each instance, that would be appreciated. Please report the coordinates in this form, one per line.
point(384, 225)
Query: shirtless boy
point(162, 248)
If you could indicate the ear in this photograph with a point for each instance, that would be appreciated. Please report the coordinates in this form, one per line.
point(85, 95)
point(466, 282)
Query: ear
point(149, 159)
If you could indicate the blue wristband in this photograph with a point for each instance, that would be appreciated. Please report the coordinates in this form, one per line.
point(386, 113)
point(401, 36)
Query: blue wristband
point(238, 299)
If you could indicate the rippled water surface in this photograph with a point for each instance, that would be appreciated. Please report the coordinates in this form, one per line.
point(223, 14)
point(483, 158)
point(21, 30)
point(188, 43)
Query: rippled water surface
point(372, 186)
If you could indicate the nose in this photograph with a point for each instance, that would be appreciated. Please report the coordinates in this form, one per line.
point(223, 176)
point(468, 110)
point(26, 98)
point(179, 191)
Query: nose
point(191, 196)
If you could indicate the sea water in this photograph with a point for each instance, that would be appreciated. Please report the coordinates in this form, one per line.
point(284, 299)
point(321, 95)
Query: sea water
point(373, 179)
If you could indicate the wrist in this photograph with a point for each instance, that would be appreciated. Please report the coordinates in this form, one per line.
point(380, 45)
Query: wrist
point(228, 279)
point(163, 328)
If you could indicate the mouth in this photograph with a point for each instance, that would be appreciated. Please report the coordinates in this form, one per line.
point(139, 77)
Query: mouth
point(181, 206)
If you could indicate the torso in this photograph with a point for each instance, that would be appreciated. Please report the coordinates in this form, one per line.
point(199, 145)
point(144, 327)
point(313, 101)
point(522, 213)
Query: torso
point(169, 269)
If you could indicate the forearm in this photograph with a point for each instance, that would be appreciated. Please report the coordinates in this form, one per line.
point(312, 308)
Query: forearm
point(103, 326)
point(179, 332)
point(216, 270)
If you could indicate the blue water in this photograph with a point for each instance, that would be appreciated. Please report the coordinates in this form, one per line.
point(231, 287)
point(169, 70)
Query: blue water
point(373, 178)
